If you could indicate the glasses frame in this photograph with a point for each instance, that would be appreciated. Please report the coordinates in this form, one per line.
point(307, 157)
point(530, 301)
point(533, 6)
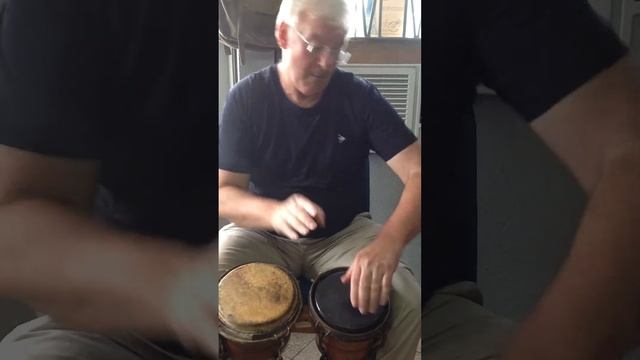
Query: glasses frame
point(341, 57)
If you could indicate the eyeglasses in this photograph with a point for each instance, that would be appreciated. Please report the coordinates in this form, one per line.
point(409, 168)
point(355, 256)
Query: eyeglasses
point(339, 55)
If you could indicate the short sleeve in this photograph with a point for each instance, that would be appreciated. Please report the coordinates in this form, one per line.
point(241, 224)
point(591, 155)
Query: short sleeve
point(535, 52)
point(235, 146)
point(388, 134)
point(53, 76)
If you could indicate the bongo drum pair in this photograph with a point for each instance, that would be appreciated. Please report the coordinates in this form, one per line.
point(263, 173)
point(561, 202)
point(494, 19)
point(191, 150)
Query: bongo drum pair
point(259, 304)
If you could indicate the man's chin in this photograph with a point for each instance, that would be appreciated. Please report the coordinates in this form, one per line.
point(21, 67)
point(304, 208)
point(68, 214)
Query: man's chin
point(313, 89)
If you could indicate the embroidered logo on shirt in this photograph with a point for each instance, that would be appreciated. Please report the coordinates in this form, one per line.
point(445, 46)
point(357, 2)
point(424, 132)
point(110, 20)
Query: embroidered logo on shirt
point(341, 138)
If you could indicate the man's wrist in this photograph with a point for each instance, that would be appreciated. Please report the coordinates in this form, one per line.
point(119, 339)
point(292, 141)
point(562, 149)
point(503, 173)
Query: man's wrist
point(390, 241)
point(269, 209)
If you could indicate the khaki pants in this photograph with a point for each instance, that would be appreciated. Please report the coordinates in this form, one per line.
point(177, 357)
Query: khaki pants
point(44, 339)
point(311, 257)
point(456, 327)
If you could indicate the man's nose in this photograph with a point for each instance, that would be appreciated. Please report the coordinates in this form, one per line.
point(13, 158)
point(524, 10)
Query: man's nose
point(327, 60)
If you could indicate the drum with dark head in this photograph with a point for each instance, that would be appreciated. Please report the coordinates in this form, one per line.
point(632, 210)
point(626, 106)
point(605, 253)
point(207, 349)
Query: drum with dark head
point(344, 333)
point(258, 303)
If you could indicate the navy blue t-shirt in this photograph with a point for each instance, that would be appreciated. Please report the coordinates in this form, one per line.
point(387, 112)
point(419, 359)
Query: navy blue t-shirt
point(320, 152)
point(130, 84)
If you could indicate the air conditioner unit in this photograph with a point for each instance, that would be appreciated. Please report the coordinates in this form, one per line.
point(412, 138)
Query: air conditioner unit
point(399, 84)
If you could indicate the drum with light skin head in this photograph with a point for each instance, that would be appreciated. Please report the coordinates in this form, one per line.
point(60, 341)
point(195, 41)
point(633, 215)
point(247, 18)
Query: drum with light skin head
point(258, 304)
point(342, 332)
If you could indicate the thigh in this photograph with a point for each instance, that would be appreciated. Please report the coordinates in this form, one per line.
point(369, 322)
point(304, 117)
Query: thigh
point(454, 326)
point(340, 249)
point(43, 339)
point(404, 333)
point(238, 245)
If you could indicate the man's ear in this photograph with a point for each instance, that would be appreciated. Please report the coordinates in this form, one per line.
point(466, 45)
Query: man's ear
point(281, 32)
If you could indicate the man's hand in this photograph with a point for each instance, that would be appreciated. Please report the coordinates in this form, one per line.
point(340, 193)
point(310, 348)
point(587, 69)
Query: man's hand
point(297, 216)
point(171, 297)
point(192, 306)
point(371, 272)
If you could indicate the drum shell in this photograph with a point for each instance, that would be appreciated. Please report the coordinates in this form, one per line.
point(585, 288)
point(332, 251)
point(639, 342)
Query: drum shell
point(254, 350)
point(260, 343)
point(337, 344)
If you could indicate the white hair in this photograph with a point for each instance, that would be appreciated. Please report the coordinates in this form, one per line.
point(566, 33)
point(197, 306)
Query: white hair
point(336, 12)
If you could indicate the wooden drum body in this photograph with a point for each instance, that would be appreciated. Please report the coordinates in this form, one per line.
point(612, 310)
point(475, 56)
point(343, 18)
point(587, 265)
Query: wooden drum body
point(258, 304)
point(344, 333)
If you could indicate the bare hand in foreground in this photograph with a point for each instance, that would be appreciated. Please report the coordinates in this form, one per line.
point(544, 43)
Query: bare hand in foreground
point(170, 297)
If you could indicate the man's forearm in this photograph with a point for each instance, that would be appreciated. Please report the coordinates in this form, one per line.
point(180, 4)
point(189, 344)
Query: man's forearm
point(61, 260)
point(592, 310)
point(405, 221)
point(244, 208)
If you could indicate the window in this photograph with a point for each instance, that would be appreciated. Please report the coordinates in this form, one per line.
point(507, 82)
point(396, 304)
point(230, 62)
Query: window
point(386, 18)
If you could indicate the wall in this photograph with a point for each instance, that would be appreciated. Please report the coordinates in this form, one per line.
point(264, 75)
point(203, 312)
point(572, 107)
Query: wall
point(528, 210)
point(255, 61)
point(385, 51)
point(224, 79)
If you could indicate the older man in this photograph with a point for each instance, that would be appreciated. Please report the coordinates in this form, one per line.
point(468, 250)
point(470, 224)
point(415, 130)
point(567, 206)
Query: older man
point(294, 144)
